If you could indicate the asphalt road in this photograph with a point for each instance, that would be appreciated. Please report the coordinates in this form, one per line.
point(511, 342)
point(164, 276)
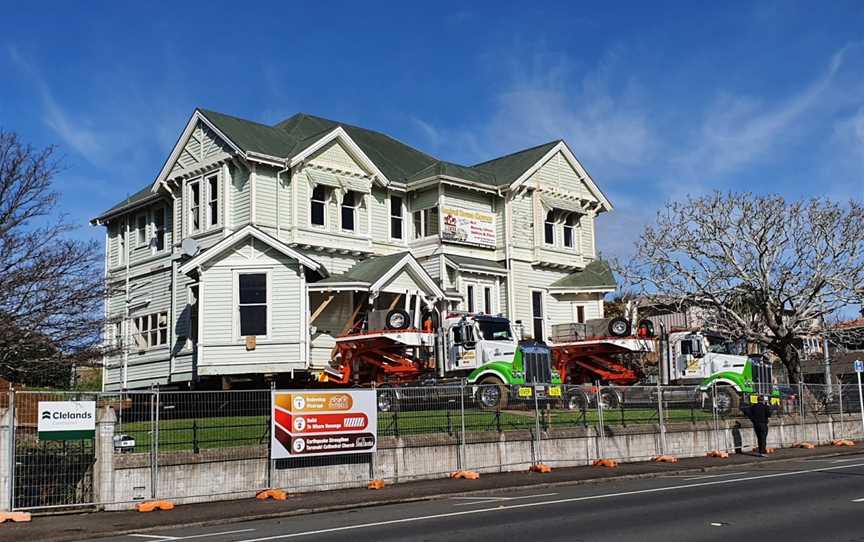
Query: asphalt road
point(808, 499)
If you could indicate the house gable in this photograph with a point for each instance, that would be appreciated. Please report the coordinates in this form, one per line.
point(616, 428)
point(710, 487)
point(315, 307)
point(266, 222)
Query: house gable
point(202, 147)
point(335, 156)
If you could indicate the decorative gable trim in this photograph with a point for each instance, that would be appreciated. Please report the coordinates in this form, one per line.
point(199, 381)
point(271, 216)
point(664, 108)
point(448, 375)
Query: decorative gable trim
point(562, 147)
point(339, 134)
point(249, 231)
point(181, 145)
point(413, 266)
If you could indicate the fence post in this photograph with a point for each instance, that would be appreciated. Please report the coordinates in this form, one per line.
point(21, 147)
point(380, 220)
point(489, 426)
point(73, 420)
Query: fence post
point(104, 467)
point(538, 453)
point(602, 442)
point(461, 457)
point(662, 423)
point(801, 411)
point(842, 427)
point(12, 436)
point(7, 455)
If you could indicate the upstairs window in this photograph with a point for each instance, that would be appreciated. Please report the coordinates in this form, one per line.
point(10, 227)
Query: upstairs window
point(487, 300)
point(570, 225)
point(159, 229)
point(252, 306)
point(151, 330)
point(549, 228)
point(194, 206)
point(141, 230)
point(212, 200)
point(121, 243)
point(395, 217)
point(318, 206)
point(349, 210)
point(426, 223)
point(469, 294)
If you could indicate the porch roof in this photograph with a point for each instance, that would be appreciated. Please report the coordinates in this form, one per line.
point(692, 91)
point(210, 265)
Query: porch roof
point(597, 275)
point(373, 274)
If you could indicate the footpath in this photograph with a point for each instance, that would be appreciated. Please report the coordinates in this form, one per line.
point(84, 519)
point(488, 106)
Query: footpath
point(88, 526)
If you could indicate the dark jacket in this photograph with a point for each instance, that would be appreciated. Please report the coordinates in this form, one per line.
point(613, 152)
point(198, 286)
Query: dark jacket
point(758, 413)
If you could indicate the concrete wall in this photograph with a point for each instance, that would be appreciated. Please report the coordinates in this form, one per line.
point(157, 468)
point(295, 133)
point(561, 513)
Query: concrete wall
point(232, 473)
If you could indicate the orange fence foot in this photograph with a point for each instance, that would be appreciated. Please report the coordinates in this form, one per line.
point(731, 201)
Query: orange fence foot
point(540, 467)
point(767, 450)
point(666, 459)
point(842, 442)
point(17, 517)
point(275, 494)
point(718, 453)
point(376, 484)
point(465, 474)
point(806, 445)
point(149, 506)
point(609, 463)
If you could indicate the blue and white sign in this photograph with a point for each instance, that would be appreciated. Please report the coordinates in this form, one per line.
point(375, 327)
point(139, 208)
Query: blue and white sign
point(858, 365)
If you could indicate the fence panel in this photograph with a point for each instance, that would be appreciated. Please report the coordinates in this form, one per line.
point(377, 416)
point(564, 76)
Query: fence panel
point(49, 474)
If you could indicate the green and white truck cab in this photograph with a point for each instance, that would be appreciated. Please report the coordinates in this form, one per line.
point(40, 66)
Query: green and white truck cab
point(497, 364)
point(723, 375)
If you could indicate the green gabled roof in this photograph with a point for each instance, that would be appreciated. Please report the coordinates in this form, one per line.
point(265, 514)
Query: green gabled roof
point(468, 262)
point(507, 169)
point(596, 275)
point(145, 194)
point(367, 271)
point(450, 169)
point(251, 136)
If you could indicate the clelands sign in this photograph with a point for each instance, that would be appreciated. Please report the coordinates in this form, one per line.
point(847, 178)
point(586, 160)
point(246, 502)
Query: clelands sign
point(67, 420)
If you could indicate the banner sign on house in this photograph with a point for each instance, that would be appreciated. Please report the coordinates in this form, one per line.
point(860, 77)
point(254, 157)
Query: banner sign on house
point(472, 227)
point(326, 422)
point(67, 420)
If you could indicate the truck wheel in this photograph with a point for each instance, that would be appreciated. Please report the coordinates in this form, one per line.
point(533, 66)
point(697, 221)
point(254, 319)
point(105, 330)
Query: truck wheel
point(728, 400)
point(576, 400)
point(492, 394)
point(387, 400)
point(619, 327)
point(609, 398)
point(397, 319)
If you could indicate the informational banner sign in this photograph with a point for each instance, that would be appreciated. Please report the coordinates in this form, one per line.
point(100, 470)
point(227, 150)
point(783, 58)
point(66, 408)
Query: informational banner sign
point(471, 227)
point(858, 365)
point(323, 422)
point(67, 420)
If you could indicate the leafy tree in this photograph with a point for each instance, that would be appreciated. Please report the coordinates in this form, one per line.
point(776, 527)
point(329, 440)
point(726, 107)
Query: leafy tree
point(768, 271)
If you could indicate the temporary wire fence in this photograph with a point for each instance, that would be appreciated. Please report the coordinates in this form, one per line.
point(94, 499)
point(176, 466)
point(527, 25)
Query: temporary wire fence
point(198, 445)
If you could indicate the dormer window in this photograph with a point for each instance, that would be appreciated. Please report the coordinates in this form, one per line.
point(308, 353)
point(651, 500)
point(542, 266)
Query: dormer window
point(318, 206)
point(212, 200)
point(194, 206)
point(570, 225)
point(549, 228)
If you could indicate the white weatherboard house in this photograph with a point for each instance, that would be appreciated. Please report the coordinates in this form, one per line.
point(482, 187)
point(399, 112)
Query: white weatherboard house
point(257, 245)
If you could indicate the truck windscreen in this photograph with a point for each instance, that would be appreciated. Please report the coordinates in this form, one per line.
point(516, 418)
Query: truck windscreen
point(492, 330)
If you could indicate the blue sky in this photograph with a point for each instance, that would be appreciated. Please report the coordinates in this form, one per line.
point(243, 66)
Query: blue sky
point(657, 100)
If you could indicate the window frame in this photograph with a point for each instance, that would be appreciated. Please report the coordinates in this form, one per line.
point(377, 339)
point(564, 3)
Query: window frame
point(156, 232)
point(192, 186)
point(353, 208)
point(142, 221)
point(121, 243)
point(470, 300)
point(323, 202)
point(425, 215)
point(541, 318)
point(400, 217)
point(488, 300)
point(236, 300)
point(549, 228)
point(212, 203)
point(143, 336)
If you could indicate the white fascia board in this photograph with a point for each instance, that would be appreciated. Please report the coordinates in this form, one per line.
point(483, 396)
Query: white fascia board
point(338, 286)
point(474, 269)
point(249, 231)
point(265, 159)
point(409, 261)
point(181, 144)
point(452, 181)
point(353, 149)
point(580, 290)
point(574, 163)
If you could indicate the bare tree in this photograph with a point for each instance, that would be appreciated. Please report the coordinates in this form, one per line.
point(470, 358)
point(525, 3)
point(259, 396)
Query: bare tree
point(768, 271)
point(51, 287)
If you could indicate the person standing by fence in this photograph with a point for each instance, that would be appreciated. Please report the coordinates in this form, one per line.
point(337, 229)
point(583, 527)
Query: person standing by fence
point(759, 413)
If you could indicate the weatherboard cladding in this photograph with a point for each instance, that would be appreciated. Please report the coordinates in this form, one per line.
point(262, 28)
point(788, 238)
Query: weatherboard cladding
point(596, 274)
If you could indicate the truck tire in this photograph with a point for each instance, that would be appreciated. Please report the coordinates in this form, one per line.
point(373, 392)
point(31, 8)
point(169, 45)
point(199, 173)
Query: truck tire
point(619, 327)
point(387, 400)
point(492, 394)
point(728, 400)
point(576, 400)
point(397, 319)
point(609, 398)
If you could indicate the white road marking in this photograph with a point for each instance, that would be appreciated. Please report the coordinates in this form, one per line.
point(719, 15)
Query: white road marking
point(497, 499)
point(544, 503)
point(845, 460)
point(858, 500)
point(714, 476)
point(204, 535)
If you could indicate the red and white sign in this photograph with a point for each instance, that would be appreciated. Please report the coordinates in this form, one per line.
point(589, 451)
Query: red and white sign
point(326, 422)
